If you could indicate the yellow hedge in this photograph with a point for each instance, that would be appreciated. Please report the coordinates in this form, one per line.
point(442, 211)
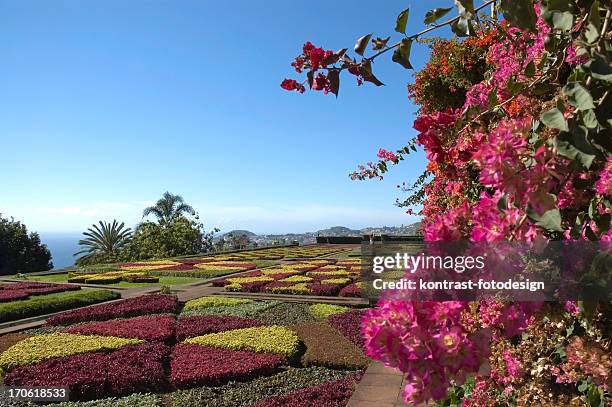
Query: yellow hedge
point(41, 347)
point(325, 310)
point(205, 302)
point(265, 339)
point(242, 280)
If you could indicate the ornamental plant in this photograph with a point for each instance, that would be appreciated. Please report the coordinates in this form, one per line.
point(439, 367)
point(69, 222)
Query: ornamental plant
point(265, 339)
point(148, 328)
point(131, 307)
point(41, 347)
point(198, 325)
point(135, 368)
point(195, 365)
point(515, 123)
point(204, 302)
point(325, 310)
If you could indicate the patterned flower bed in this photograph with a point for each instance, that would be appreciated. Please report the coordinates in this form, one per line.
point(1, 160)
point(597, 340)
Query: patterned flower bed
point(213, 351)
point(21, 291)
point(325, 277)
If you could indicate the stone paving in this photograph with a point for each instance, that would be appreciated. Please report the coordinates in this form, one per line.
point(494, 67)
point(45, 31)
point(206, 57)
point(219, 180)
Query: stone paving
point(380, 387)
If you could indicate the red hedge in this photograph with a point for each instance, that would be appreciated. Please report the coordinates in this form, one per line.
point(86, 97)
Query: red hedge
point(13, 295)
point(328, 290)
point(349, 323)
point(350, 290)
point(195, 365)
point(254, 287)
point(136, 368)
point(329, 394)
point(148, 328)
point(188, 327)
point(132, 307)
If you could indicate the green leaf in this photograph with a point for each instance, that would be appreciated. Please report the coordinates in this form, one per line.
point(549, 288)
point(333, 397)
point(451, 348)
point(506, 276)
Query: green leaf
point(380, 43)
point(365, 69)
point(578, 96)
point(402, 20)
point(462, 27)
point(591, 33)
point(520, 13)
point(595, 397)
point(575, 146)
point(563, 21)
point(549, 220)
point(530, 69)
point(467, 5)
point(583, 386)
point(555, 120)
point(434, 15)
point(333, 76)
point(402, 54)
point(502, 204)
point(590, 119)
point(362, 43)
point(600, 69)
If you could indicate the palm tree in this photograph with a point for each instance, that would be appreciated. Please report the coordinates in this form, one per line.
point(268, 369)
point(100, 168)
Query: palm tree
point(168, 208)
point(106, 239)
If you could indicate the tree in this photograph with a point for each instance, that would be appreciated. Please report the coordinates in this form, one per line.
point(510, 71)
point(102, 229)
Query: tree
point(103, 243)
point(180, 237)
point(168, 208)
point(238, 241)
point(21, 252)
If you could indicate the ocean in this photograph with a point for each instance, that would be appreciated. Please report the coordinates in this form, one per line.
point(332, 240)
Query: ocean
point(62, 247)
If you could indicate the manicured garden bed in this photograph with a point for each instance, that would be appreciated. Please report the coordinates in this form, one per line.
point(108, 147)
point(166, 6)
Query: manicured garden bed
point(67, 298)
point(323, 277)
point(213, 351)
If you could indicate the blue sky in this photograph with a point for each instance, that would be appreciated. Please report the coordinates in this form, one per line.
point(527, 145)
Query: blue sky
point(107, 104)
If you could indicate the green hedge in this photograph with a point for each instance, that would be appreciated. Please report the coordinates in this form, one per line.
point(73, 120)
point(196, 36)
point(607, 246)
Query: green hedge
point(47, 304)
point(135, 400)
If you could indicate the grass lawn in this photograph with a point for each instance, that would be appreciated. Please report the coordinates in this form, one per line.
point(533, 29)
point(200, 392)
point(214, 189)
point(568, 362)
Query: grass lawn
point(63, 278)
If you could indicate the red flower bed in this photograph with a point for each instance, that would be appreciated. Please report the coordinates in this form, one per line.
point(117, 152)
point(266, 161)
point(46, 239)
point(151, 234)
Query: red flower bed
point(195, 365)
point(136, 368)
point(220, 283)
point(351, 290)
point(148, 328)
point(274, 284)
point(280, 276)
point(254, 287)
point(349, 323)
point(328, 290)
point(20, 291)
point(178, 267)
point(329, 394)
point(188, 327)
point(13, 295)
point(132, 307)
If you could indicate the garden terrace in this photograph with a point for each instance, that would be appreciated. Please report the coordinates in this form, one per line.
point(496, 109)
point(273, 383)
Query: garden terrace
point(210, 351)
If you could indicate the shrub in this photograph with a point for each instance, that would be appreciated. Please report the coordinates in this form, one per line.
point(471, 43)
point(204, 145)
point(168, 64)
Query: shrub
point(194, 365)
point(351, 290)
point(297, 289)
point(148, 328)
point(234, 287)
point(246, 310)
point(297, 279)
point(20, 251)
point(133, 400)
point(341, 281)
point(266, 339)
point(131, 307)
point(37, 348)
point(327, 290)
point(103, 279)
point(339, 273)
point(251, 287)
point(242, 280)
point(80, 278)
point(325, 310)
point(245, 394)
point(188, 327)
point(318, 337)
point(349, 324)
point(286, 314)
point(50, 303)
point(205, 302)
point(138, 368)
point(329, 394)
point(13, 295)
